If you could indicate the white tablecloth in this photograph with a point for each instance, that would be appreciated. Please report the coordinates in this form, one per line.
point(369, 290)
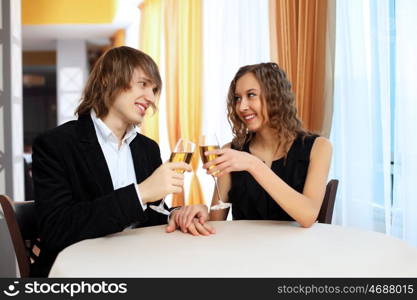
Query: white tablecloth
point(240, 249)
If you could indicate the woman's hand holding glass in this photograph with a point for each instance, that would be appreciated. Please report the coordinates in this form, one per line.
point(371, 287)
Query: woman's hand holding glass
point(228, 160)
point(209, 145)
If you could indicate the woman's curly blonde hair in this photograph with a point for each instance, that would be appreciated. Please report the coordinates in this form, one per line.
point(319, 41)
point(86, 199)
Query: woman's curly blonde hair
point(276, 94)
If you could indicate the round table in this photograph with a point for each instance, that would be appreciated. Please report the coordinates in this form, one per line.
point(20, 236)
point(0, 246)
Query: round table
point(240, 249)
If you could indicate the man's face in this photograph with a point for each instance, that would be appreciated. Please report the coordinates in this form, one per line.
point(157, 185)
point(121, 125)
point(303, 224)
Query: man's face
point(130, 106)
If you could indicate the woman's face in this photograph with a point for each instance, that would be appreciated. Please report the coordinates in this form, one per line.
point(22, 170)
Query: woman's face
point(248, 102)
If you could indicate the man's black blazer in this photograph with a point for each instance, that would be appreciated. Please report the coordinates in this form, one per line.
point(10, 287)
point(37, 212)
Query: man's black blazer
point(74, 194)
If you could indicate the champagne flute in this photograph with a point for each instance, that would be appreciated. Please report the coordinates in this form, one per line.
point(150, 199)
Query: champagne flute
point(210, 142)
point(183, 152)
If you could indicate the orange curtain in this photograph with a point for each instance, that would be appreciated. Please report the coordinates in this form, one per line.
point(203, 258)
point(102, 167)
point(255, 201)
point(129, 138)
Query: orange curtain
point(171, 34)
point(183, 63)
point(302, 43)
point(179, 31)
point(150, 43)
point(172, 80)
point(190, 72)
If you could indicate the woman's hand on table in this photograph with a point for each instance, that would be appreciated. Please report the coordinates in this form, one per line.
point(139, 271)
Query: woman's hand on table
point(191, 219)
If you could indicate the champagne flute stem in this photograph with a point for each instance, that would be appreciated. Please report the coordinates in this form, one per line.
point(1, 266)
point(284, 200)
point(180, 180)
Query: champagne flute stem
point(217, 189)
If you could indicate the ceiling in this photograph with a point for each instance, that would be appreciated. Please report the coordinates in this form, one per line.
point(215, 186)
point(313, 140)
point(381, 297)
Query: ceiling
point(44, 37)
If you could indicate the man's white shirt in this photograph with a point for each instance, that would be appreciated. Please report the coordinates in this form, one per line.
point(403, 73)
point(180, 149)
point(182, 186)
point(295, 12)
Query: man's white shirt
point(119, 159)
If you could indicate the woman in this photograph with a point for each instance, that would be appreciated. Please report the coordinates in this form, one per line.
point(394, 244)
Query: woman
point(273, 169)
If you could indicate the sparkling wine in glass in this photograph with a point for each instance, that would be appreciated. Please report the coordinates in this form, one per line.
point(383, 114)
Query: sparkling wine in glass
point(210, 142)
point(183, 152)
point(179, 157)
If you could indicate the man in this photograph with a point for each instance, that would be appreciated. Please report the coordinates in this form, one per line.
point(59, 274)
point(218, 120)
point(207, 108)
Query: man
point(96, 175)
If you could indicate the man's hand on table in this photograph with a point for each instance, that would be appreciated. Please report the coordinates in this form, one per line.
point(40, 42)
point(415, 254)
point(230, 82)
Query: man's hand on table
point(190, 219)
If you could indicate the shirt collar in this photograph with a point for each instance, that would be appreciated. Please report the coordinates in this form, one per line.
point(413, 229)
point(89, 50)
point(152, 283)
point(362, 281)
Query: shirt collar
point(107, 135)
point(130, 134)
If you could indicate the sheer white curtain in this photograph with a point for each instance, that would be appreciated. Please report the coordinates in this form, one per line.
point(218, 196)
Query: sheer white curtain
point(405, 154)
point(236, 33)
point(360, 134)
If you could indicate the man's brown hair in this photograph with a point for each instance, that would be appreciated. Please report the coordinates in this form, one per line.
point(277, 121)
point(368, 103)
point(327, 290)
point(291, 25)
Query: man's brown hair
point(112, 74)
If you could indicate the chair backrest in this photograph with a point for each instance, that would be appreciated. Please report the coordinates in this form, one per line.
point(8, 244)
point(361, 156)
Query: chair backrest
point(22, 225)
point(326, 210)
